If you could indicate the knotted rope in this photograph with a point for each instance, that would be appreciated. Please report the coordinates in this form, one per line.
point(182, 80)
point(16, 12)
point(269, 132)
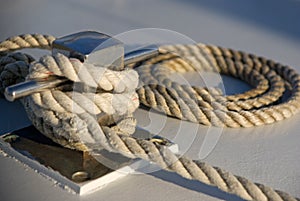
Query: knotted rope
point(97, 112)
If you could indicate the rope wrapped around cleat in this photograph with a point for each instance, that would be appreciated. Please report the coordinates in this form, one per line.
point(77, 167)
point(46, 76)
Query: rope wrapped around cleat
point(95, 110)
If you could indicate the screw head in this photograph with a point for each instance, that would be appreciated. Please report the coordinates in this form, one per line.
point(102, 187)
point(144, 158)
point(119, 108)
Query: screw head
point(80, 176)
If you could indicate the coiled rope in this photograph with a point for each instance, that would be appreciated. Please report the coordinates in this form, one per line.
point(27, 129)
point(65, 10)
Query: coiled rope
point(98, 112)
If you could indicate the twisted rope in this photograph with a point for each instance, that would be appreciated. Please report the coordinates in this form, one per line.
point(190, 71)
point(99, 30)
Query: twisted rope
point(201, 105)
point(97, 111)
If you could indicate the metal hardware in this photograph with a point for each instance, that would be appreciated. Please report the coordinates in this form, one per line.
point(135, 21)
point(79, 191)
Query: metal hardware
point(82, 44)
point(88, 46)
point(156, 139)
point(80, 176)
point(140, 54)
point(33, 86)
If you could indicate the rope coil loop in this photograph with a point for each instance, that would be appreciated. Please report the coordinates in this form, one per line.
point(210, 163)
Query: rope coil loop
point(252, 108)
point(102, 118)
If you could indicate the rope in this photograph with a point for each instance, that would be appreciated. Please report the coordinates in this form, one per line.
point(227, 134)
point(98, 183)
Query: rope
point(96, 111)
point(253, 108)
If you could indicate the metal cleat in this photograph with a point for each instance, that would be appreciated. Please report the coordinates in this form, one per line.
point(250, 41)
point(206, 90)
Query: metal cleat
point(88, 46)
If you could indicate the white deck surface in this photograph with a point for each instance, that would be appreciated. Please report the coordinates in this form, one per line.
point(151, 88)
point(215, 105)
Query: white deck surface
point(267, 154)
